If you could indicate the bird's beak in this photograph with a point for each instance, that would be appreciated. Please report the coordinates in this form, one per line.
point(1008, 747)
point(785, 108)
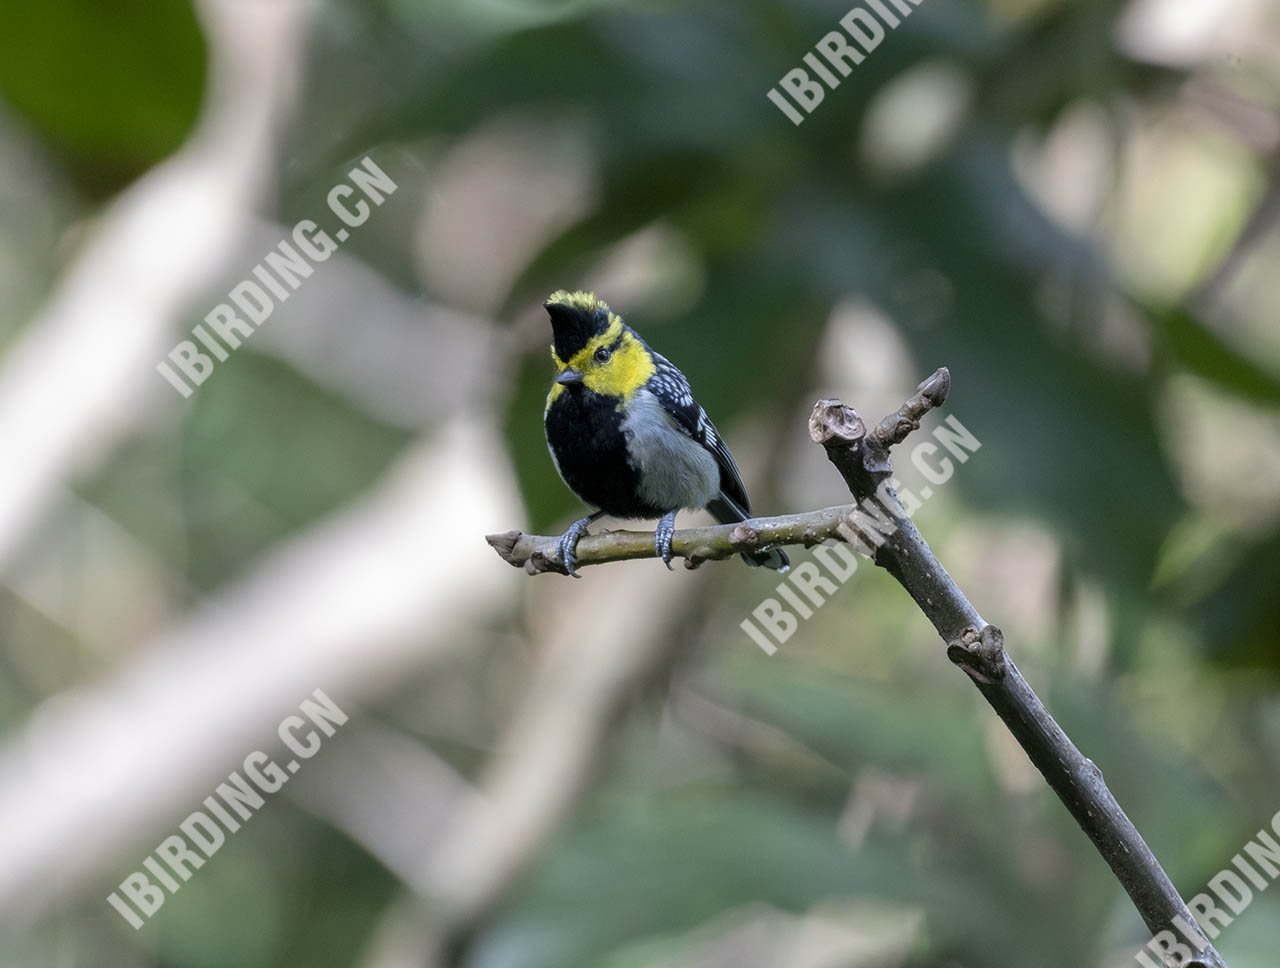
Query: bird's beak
point(569, 378)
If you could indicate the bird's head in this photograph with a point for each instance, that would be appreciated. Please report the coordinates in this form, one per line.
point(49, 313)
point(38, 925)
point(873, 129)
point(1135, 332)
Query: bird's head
point(593, 348)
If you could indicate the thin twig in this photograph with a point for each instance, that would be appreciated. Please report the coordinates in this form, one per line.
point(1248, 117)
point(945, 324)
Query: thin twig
point(538, 553)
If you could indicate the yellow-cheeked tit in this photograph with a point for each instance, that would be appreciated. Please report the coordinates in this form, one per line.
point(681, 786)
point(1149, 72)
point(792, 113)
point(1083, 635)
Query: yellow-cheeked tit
point(626, 434)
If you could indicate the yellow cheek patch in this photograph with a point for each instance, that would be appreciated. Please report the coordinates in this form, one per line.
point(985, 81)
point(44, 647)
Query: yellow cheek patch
point(629, 368)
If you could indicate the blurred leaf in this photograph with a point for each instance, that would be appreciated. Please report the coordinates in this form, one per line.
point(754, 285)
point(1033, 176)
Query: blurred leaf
point(265, 451)
point(854, 722)
point(113, 87)
point(1240, 621)
point(1202, 351)
point(297, 891)
point(644, 867)
point(262, 452)
point(1062, 55)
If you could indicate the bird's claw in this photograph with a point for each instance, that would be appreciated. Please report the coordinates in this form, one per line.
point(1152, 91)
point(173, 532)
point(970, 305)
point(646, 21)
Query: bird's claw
point(662, 539)
point(568, 543)
point(567, 557)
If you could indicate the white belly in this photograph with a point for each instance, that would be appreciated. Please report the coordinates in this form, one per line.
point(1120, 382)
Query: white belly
point(675, 470)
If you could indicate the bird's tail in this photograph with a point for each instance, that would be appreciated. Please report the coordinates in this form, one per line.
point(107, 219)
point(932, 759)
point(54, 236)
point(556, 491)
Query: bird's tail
point(727, 511)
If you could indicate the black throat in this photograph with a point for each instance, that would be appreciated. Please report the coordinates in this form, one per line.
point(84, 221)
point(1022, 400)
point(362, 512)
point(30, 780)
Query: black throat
point(584, 432)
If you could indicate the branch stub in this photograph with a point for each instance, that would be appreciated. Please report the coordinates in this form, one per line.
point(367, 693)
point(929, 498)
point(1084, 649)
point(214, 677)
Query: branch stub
point(832, 422)
point(980, 654)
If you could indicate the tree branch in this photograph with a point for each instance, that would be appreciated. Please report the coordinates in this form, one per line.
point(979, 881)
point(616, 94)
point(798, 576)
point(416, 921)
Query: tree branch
point(863, 460)
point(978, 649)
point(538, 553)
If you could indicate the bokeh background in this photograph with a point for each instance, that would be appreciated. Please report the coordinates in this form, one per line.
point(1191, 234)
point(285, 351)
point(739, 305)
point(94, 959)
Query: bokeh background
point(1073, 204)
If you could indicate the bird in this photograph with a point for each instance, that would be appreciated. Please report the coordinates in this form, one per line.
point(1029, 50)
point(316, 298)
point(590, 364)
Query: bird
point(626, 434)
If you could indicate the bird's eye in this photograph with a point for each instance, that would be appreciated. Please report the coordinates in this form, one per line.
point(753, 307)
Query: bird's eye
point(603, 354)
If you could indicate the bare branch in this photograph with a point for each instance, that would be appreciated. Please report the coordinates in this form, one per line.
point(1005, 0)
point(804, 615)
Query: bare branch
point(539, 553)
point(978, 649)
point(932, 393)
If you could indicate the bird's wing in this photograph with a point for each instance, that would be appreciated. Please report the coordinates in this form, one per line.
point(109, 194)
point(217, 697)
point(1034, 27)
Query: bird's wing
point(673, 391)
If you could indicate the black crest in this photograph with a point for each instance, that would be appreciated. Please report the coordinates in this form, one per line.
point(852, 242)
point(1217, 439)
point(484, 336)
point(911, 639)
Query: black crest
point(574, 322)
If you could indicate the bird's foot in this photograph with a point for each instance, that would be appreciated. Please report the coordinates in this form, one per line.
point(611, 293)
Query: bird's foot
point(662, 538)
point(568, 543)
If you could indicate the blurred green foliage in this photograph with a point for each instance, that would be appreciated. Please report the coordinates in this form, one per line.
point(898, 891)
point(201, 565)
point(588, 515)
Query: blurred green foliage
point(111, 87)
point(782, 223)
